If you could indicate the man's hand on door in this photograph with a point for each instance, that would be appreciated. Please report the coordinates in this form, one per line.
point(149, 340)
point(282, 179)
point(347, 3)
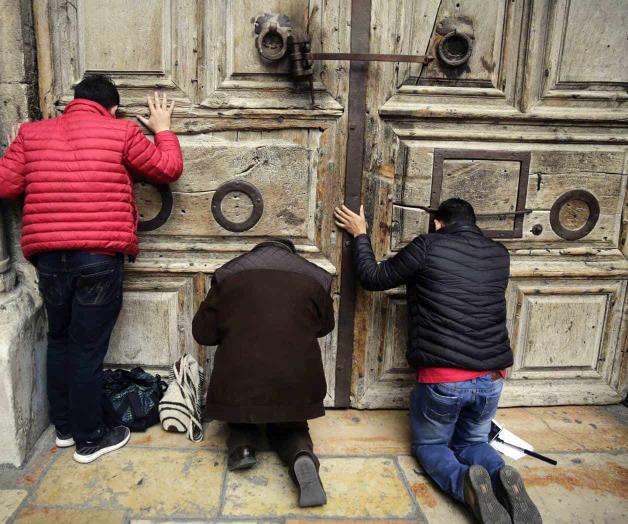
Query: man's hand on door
point(160, 113)
point(351, 222)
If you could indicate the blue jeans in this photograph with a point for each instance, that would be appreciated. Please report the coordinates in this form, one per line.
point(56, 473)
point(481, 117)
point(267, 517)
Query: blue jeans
point(450, 427)
point(82, 293)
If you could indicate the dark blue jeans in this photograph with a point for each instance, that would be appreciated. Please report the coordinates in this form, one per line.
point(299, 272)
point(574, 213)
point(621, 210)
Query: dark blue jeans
point(450, 427)
point(82, 293)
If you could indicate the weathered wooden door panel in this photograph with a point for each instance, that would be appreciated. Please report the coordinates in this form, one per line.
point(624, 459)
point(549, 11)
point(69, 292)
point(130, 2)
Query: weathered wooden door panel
point(566, 328)
point(568, 340)
point(553, 191)
point(236, 76)
point(144, 45)
point(577, 59)
point(261, 159)
point(492, 186)
point(154, 327)
point(281, 170)
point(521, 112)
point(487, 80)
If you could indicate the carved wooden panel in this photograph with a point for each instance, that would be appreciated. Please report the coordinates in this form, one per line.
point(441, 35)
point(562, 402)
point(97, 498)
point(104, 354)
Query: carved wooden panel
point(154, 328)
point(386, 377)
point(283, 172)
point(491, 186)
point(493, 182)
point(533, 85)
point(577, 58)
point(487, 80)
point(235, 73)
point(143, 45)
point(239, 119)
point(567, 329)
point(567, 337)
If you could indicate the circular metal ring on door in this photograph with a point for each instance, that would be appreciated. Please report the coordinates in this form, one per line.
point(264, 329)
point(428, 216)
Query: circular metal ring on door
point(249, 190)
point(272, 32)
point(164, 213)
point(569, 207)
point(454, 49)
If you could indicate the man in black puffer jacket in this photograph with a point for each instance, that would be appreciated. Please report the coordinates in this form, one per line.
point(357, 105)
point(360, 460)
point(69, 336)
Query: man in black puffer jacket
point(458, 342)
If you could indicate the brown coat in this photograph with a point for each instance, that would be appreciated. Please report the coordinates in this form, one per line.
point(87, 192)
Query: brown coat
point(265, 311)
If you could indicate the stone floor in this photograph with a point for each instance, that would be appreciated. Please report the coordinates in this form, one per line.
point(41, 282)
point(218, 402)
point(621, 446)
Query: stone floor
point(365, 466)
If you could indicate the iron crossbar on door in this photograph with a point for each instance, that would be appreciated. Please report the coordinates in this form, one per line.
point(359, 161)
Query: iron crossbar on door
point(302, 59)
point(371, 57)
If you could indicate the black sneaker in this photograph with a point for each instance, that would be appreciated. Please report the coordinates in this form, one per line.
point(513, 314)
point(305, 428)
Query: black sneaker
point(63, 440)
point(479, 497)
point(311, 492)
point(113, 439)
point(513, 495)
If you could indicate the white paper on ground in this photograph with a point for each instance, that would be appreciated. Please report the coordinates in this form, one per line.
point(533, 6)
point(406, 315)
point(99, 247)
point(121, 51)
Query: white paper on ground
point(509, 451)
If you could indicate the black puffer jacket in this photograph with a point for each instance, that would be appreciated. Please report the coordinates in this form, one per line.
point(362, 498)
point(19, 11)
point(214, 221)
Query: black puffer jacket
point(456, 280)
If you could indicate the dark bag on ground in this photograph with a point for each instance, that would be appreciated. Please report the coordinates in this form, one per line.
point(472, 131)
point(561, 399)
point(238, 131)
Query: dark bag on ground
point(131, 398)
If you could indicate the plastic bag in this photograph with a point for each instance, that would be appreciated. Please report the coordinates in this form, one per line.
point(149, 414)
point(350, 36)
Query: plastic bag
point(131, 398)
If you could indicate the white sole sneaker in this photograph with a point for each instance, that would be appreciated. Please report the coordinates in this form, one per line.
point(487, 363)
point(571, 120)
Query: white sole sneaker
point(86, 459)
point(64, 442)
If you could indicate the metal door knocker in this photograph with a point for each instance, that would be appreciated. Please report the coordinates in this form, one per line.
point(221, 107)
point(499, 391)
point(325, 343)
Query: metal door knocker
point(275, 39)
point(251, 192)
point(272, 32)
point(454, 49)
point(162, 217)
point(574, 214)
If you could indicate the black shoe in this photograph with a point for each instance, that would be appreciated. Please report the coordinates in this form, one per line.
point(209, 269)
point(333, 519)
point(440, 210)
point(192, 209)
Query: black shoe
point(479, 496)
point(113, 439)
point(63, 440)
point(513, 495)
point(311, 492)
point(241, 458)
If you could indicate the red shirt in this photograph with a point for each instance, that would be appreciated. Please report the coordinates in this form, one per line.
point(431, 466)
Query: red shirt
point(443, 375)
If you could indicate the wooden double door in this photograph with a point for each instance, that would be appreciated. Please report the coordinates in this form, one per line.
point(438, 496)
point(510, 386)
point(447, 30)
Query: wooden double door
point(521, 111)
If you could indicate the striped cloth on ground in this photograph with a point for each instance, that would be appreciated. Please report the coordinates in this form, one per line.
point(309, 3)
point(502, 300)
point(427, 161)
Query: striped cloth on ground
point(180, 407)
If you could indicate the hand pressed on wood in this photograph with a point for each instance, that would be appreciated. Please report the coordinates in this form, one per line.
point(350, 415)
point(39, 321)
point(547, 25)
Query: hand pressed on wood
point(351, 222)
point(160, 113)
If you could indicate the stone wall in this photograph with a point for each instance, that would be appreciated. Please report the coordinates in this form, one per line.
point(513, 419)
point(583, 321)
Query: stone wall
point(22, 322)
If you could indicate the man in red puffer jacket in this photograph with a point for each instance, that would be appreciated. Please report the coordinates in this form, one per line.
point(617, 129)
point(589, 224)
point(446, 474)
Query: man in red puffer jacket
point(79, 221)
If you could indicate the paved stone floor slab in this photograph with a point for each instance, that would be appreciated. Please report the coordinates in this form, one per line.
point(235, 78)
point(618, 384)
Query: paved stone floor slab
point(353, 432)
point(32, 515)
point(582, 488)
point(366, 468)
point(37, 467)
point(215, 434)
point(356, 488)
point(213, 521)
point(346, 521)
point(435, 505)
point(587, 427)
point(147, 482)
point(10, 499)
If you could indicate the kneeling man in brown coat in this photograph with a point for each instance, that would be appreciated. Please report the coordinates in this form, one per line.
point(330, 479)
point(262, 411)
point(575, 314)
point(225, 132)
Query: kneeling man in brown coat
point(265, 311)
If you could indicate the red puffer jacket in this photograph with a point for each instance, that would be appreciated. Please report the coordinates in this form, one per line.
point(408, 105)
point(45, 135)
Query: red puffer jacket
point(75, 172)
